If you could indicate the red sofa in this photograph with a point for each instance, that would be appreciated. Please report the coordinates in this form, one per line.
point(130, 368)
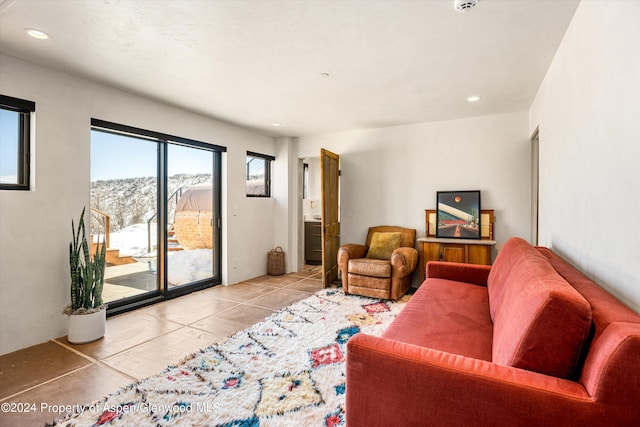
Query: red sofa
point(527, 341)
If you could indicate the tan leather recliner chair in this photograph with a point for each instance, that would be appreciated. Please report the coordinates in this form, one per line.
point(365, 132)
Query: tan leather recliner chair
point(365, 273)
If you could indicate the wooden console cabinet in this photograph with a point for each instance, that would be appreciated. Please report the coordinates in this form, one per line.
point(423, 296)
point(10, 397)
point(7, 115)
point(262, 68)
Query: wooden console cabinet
point(468, 251)
point(454, 250)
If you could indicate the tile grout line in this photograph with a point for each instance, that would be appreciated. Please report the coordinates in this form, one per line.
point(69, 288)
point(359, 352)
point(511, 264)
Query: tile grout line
point(74, 350)
point(240, 304)
point(246, 303)
point(98, 361)
point(45, 382)
point(130, 377)
point(111, 368)
point(181, 326)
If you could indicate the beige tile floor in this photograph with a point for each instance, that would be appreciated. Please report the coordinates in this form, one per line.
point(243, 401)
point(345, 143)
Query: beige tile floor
point(43, 379)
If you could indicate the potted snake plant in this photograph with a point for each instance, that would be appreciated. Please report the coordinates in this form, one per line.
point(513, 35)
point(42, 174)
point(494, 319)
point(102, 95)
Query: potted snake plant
point(87, 312)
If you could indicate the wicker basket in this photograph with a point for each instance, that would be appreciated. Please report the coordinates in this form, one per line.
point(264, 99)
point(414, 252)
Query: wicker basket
point(194, 229)
point(275, 262)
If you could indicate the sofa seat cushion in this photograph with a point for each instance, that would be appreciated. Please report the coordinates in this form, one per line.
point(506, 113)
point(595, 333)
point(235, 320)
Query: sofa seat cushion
point(448, 316)
point(370, 267)
point(540, 321)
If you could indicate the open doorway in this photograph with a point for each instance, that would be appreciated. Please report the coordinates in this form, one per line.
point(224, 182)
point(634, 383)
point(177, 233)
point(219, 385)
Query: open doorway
point(311, 238)
point(312, 219)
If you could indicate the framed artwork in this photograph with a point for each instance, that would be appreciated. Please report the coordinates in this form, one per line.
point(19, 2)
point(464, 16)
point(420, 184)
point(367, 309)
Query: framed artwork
point(458, 214)
point(487, 219)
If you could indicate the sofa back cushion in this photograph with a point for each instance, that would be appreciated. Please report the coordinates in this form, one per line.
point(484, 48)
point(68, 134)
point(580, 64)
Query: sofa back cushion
point(511, 253)
point(540, 321)
point(605, 308)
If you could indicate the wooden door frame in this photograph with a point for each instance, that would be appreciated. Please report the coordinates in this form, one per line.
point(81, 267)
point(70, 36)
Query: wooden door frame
point(535, 185)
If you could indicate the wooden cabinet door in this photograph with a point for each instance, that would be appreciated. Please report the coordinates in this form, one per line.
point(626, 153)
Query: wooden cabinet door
point(430, 252)
point(313, 242)
point(453, 253)
point(479, 254)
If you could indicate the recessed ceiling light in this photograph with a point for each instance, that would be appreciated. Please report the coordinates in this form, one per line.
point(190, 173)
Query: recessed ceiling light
point(277, 124)
point(324, 74)
point(37, 34)
point(473, 98)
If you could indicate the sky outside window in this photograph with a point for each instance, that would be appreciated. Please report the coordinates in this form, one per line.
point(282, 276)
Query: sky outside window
point(9, 129)
point(119, 157)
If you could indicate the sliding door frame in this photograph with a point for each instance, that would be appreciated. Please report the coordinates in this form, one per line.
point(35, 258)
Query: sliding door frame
point(163, 140)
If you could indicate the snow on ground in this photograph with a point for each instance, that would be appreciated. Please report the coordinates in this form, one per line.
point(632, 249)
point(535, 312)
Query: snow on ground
point(183, 266)
point(133, 240)
point(189, 266)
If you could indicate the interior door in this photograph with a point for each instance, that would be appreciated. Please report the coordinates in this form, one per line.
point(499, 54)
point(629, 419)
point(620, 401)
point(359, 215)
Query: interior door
point(330, 171)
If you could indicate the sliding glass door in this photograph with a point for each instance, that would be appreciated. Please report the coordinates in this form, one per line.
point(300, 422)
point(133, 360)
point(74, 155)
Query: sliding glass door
point(124, 196)
point(191, 211)
point(155, 201)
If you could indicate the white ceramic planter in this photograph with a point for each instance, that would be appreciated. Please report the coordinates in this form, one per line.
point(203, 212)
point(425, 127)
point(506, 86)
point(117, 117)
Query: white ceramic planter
point(84, 328)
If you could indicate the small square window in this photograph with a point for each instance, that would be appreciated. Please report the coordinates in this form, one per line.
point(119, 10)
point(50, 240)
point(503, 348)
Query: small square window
point(15, 124)
point(258, 174)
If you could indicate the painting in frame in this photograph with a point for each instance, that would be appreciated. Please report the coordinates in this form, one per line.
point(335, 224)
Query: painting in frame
point(458, 214)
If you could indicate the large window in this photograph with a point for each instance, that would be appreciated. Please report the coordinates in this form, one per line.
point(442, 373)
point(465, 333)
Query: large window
point(258, 174)
point(15, 124)
point(155, 201)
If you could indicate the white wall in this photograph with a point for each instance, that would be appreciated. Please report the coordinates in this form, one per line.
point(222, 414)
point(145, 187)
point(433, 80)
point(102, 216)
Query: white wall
point(285, 197)
point(35, 225)
point(391, 175)
point(588, 113)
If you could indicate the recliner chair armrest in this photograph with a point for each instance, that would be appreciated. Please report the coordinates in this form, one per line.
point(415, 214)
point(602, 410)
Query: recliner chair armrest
point(352, 251)
point(403, 261)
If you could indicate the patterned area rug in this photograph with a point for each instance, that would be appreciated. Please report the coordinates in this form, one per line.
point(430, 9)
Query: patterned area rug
point(288, 370)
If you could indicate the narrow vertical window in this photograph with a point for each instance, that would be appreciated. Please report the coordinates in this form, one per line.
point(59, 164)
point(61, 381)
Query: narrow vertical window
point(305, 180)
point(258, 174)
point(15, 124)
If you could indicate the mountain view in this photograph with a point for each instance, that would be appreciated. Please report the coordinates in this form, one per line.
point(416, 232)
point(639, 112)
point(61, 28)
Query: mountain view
point(132, 201)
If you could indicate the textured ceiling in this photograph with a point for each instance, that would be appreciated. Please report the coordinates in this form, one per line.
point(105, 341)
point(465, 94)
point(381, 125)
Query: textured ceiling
point(254, 63)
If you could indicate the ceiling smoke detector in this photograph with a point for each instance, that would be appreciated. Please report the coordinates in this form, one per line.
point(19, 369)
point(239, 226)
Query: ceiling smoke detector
point(464, 5)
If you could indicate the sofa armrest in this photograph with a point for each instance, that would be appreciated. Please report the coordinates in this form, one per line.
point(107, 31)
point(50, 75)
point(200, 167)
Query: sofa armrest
point(469, 273)
point(403, 261)
point(390, 382)
point(612, 367)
